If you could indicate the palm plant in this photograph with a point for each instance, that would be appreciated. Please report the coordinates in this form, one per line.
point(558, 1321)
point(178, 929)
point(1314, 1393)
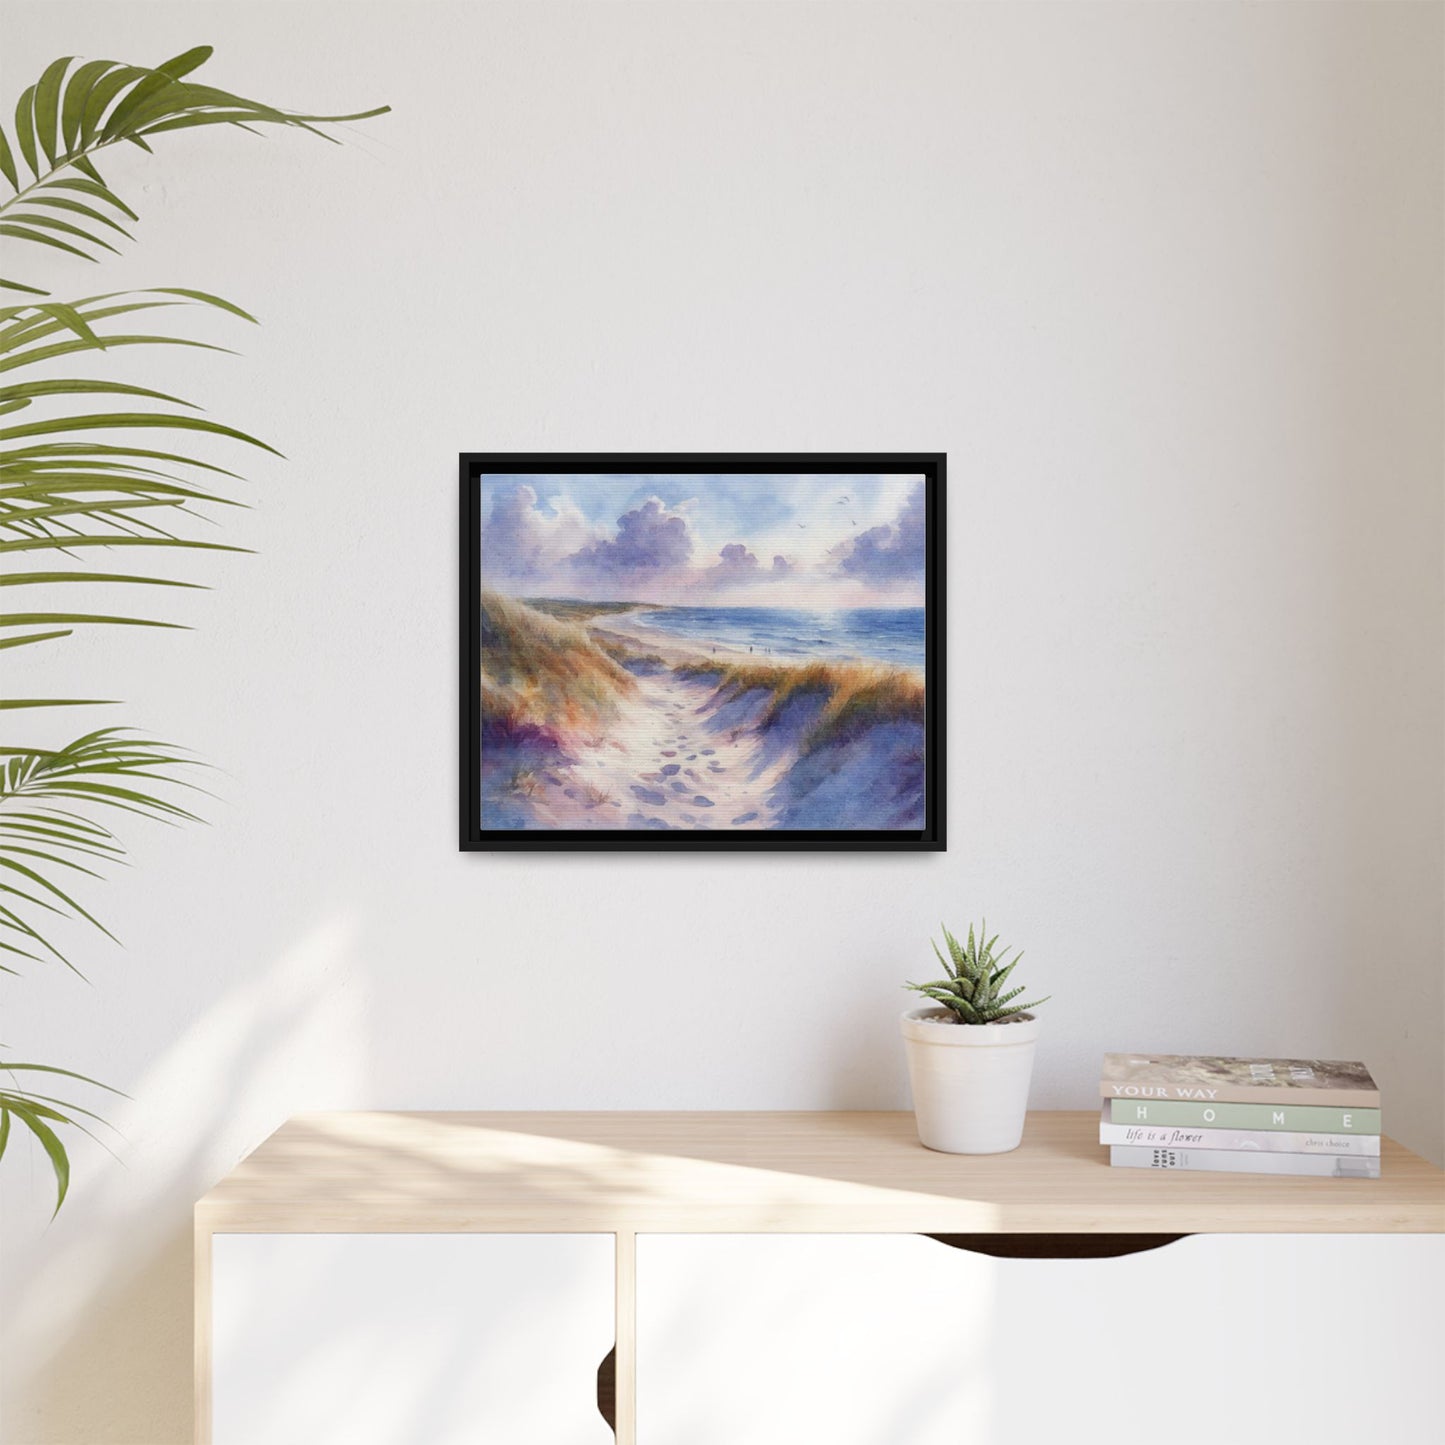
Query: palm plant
point(974, 987)
point(74, 486)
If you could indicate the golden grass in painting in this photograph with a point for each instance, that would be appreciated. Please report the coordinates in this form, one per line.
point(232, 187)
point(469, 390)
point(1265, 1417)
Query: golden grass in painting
point(623, 650)
point(541, 672)
point(857, 695)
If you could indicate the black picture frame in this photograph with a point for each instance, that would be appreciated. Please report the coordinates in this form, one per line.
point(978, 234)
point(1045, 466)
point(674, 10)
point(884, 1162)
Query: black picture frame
point(475, 838)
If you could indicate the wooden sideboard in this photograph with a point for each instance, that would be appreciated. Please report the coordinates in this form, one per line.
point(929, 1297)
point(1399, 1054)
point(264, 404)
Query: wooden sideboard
point(669, 1191)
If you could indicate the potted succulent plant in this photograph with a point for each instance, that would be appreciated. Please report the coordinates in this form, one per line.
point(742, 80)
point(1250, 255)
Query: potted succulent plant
point(970, 1058)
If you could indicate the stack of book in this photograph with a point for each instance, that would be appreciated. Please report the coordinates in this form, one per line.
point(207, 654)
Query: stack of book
point(1242, 1116)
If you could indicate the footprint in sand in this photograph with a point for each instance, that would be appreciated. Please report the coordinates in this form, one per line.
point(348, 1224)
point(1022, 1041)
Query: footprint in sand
point(687, 818)
point(708, 752)
point(692, 757)
point(655, 796)
point(668, 769)
point(701, 802)
point(678, 786)
point(641, 820)
point(744, 818)
point(671, 753)
point(693, 774)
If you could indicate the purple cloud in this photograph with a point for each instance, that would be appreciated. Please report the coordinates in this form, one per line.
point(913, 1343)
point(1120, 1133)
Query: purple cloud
point(781, 567)
point(892, 550)
point(649, 540)
point(518, 540)
point(737, 565)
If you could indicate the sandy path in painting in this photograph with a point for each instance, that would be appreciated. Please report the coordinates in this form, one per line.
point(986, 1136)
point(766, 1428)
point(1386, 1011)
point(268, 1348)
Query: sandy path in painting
point(664, 763)
point(680, 751)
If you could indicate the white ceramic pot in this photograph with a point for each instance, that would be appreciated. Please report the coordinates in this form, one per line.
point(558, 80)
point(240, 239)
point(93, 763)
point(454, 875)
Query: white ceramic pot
point(970, 1081)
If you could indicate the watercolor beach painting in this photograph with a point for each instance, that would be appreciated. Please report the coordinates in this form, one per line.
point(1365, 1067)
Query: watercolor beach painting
point(701, 651)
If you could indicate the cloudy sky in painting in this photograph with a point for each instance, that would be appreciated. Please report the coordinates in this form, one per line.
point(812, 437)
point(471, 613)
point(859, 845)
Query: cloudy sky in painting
point(815, 541)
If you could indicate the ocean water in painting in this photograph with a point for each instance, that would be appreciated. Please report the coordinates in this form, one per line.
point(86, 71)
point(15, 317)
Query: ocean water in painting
point(703, 653)
point(884, 634)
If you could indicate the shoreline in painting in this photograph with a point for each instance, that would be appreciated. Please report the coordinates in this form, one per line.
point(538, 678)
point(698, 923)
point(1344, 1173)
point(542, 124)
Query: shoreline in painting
point(885, 636)
point(596, 715)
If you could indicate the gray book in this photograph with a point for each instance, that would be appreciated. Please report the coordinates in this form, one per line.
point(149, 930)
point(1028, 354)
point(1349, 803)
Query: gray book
point(1236, 1161)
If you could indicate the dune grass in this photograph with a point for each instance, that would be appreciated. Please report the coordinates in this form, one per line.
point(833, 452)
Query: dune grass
point(855, 695)
point(624, 650)
point(543, 674)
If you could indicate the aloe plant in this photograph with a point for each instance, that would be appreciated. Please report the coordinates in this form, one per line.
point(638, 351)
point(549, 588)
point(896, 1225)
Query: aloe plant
point(74, 483)
point(974, 987)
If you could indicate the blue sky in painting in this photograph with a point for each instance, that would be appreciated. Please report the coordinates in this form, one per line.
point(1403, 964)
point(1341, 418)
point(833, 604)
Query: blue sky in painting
point(787, 540)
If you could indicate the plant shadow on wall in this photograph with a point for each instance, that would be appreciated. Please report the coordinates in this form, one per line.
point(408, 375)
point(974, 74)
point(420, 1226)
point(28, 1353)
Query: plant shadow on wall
point(78, 489)
point(98, 1349)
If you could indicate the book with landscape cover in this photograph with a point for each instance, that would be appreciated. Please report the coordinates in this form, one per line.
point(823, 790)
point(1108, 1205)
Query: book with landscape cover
point(1298, 1118)
point(1239, 1081)
point(1233, 1161)
point(1264, 1141)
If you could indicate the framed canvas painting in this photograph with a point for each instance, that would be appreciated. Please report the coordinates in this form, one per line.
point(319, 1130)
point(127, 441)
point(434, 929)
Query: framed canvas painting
point(702, 651)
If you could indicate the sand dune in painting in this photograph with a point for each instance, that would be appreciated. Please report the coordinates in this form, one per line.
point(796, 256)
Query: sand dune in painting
point(593, 719)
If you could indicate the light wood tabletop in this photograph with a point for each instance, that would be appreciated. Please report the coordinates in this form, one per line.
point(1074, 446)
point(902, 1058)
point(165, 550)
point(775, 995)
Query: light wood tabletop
point(638, 1173)
point(747, 1172)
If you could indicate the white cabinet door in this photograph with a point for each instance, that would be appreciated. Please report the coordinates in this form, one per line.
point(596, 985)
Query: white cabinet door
point(410, 1339)
point(900, 1340)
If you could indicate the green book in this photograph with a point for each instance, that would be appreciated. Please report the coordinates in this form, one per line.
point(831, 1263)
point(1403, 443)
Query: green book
point(1306, 1118)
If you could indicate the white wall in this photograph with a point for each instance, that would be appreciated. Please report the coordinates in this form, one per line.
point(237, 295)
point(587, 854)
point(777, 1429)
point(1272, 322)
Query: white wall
point(1163, 280)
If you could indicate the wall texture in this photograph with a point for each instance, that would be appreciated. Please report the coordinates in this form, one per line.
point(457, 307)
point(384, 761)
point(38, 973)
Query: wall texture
point(1163, 280)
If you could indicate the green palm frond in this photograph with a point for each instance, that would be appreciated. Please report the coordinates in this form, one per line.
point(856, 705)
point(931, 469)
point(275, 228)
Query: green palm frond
point(974, 990)
point(74, 111)
point(64, 491)
point(40, 1113)
point(45, 797)
point(92, 471)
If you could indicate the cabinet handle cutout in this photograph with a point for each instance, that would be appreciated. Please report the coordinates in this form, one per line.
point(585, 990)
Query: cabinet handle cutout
point(607, 1389)
point(1056, 1246)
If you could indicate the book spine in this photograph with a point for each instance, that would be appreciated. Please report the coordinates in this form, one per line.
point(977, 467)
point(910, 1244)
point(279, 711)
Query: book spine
point(1240, 1094)
point(1297, 1118)
point(1266, 1141)
point(1230, 1161)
